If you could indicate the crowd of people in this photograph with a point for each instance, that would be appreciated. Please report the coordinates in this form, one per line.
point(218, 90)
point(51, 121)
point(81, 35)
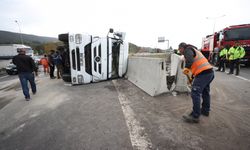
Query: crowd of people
point(52, 61)
point(230, 55)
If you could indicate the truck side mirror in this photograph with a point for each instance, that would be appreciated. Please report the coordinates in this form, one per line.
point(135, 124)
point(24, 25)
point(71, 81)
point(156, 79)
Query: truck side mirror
point(111, 30)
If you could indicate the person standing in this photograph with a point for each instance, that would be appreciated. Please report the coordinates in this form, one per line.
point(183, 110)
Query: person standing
point(58, 64)
point(203, 74)
point(222, 58)
point(26, 68)
point(44, 61)
point(235, 53)
point(51, 64)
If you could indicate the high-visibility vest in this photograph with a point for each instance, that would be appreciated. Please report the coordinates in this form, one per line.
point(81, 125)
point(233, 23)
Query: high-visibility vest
point(241, 51)
point(200, 64)
point(236, 53)
point(223, 52)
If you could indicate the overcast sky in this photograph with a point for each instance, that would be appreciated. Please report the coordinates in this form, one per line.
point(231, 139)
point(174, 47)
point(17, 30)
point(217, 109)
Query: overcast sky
point(142, 20)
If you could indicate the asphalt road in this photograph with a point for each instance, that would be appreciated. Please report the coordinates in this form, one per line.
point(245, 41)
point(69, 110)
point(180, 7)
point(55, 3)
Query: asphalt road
point(64, 117)
point(244, 72)
point(118, 115)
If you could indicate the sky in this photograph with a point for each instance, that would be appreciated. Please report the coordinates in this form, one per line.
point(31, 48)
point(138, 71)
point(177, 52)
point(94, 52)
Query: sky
point(142, 20)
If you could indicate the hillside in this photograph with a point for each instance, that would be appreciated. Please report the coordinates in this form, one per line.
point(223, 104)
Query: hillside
point(7, 37)
point(47, 43)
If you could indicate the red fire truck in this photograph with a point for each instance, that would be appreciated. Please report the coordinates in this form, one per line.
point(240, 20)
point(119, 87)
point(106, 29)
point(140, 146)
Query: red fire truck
point(227, 37)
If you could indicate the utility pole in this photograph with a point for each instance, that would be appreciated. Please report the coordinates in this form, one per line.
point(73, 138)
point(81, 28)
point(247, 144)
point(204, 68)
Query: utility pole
point(20, 33)
point(215, 19)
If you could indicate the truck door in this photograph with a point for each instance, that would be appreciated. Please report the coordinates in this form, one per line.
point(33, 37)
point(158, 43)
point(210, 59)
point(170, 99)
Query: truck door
point(99, 59)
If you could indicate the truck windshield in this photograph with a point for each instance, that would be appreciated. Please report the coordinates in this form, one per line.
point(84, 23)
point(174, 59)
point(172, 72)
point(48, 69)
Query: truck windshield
point(237, 34)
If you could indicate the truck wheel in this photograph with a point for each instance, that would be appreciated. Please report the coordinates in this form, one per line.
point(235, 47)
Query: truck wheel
point(63, 37)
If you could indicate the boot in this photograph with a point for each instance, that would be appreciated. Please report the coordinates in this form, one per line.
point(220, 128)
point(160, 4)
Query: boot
point(191, 119)
point(204, 113)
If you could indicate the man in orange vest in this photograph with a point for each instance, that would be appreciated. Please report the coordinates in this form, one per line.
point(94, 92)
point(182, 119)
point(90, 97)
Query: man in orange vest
point(203, 74)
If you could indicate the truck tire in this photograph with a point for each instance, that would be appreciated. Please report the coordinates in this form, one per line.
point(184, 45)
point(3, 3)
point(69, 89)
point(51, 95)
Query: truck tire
point(63, 37)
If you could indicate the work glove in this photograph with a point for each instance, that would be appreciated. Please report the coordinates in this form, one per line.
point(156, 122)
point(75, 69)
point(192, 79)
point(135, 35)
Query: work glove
point(186, 71)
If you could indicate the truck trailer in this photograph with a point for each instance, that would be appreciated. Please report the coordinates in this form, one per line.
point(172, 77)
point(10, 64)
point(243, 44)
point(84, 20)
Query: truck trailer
point(8, 51)
point(88, 58)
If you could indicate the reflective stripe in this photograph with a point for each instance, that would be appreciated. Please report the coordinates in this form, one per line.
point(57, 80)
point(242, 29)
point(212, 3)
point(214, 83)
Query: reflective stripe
point(198, 57)
point(199, 62)
point(202, 69)
point(205, 64)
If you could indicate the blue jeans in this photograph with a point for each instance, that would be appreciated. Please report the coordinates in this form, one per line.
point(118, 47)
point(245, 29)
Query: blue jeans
point(201, 88)
point(24, 77)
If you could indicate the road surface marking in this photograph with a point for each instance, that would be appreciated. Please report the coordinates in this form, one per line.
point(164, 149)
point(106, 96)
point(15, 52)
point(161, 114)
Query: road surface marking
point(240, 77)
point(4, 76)
point(138, 136)
point(243, 78)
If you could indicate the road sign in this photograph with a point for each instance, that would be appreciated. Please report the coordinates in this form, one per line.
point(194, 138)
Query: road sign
point(161, 39)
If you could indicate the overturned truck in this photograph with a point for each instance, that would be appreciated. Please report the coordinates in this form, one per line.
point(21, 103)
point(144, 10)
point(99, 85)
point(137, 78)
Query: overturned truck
point(88, 58)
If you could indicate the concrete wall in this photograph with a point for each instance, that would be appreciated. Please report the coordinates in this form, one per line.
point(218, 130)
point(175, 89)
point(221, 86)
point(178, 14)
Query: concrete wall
point(150, 73)
point(177, 64)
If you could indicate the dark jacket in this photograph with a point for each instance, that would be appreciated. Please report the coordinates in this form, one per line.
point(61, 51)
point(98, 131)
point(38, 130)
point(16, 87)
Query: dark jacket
point(24, 63)
point(57, 59)
point(189, 55)
point(51, 59)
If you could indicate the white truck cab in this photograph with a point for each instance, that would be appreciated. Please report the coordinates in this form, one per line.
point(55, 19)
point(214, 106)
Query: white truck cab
point(93, 59)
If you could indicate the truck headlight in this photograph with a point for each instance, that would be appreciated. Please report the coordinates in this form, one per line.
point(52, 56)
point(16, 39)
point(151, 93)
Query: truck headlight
point(80, 78)
point(78, 38)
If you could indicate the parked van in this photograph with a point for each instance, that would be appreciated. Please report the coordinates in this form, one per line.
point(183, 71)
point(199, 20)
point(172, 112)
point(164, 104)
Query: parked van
point(88, 58)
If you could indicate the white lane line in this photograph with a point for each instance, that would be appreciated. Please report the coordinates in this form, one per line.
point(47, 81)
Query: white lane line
point(240, 77)
point(138, 136)
point(4, 76)
point(243, 78)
